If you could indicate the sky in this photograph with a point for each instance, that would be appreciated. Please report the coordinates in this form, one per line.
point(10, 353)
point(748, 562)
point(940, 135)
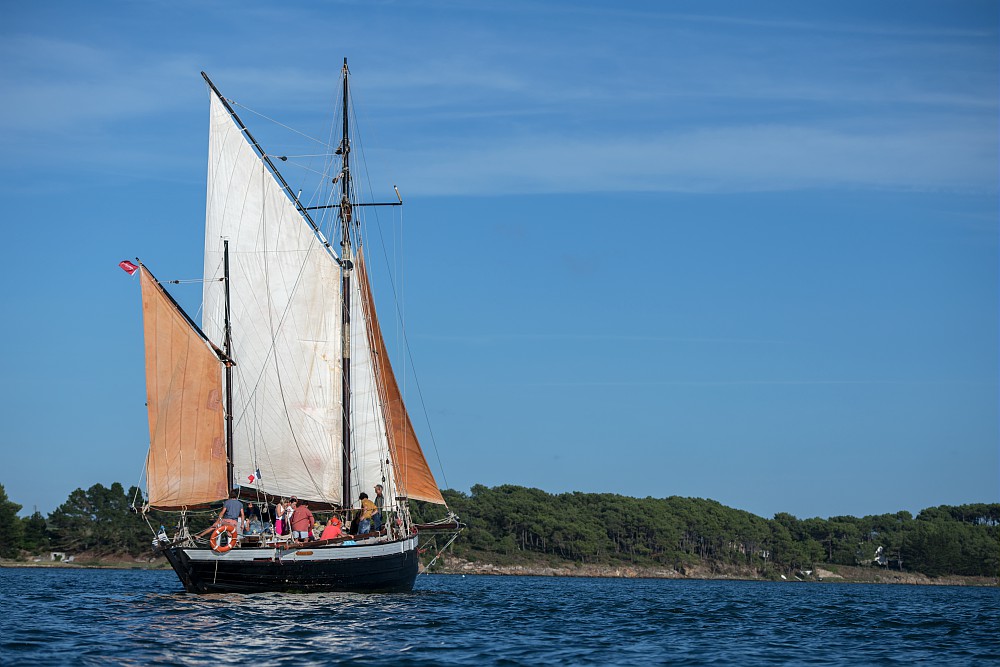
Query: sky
point(726, 250)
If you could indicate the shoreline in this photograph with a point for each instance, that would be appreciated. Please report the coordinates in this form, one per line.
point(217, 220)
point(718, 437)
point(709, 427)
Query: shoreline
point(830, 574)
point(826, 574)
point(159, 564)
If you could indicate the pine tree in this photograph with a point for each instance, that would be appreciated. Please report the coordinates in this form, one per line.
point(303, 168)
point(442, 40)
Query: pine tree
point(11, 530)
point(36, 534)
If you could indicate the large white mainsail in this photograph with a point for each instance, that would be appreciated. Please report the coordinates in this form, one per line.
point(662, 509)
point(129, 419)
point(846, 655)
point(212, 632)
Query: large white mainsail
point(286, 323)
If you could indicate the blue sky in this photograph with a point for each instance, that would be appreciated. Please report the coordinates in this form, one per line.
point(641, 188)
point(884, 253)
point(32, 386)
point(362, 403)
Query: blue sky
point(738, 251)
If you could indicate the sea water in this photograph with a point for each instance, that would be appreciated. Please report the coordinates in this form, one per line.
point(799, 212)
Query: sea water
point(138, 617)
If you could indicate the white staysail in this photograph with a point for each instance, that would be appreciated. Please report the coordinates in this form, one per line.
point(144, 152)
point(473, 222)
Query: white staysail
point(286, 323)
point(370, 454)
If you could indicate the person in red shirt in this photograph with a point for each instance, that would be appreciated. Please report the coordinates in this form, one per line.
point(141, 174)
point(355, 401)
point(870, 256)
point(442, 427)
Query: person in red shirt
point(333, 529)
point(302, 521)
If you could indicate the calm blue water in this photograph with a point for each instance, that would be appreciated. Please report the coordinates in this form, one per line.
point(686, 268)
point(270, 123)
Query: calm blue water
point(132, 617)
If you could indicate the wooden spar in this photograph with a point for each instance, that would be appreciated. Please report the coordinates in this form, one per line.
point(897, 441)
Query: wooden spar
point(345, 247)
point(319, 208)
point(229, 372)
point(219, 353)
point(267, 160)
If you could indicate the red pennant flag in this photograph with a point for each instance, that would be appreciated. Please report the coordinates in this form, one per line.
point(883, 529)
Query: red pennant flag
point(128, 267)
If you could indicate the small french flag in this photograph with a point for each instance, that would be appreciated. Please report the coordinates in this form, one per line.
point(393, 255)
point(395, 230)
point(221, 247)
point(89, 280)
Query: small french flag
point(254, 475)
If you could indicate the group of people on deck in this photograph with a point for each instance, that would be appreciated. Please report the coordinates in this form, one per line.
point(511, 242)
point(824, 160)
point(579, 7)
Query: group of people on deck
point(293, 517)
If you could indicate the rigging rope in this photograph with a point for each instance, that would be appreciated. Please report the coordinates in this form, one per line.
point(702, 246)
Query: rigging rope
point(142, 473)
point(397, 302)
point(292, 129)
point(284, 158)
point(409, 354)
point(441, 551)
point(310, 169)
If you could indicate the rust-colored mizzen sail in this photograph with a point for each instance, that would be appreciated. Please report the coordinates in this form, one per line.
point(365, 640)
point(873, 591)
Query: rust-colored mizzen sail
point(187, 451)
point(413, 475)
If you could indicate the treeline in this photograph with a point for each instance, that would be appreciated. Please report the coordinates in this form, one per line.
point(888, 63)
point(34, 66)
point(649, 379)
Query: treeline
point(98, 521)
point(508, 524)
point(514, 524)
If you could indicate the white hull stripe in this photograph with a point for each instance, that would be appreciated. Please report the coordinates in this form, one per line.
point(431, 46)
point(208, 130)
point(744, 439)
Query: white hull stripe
point(324, 553)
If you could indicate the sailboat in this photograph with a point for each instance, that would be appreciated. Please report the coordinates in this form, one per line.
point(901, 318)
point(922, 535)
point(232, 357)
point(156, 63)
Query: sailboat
point(285, 390)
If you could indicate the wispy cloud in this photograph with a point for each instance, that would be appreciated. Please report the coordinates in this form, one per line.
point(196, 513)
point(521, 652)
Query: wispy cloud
point(748, 383)
point(503, 338)
point(833, 27)
point(751, 17)
point(660, 104)
point(724, 159)
point(68, 84)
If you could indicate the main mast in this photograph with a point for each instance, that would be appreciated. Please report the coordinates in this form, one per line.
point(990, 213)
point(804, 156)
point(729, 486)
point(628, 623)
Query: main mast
point(347, 264)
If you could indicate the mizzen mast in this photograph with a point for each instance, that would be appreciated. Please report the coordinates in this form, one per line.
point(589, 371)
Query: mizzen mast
point(228, 349)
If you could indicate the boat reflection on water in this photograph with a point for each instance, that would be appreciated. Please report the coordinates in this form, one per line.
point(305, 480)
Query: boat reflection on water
point(250, 626)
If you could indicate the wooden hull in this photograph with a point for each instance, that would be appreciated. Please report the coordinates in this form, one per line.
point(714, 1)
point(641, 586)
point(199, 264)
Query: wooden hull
point(388, 567)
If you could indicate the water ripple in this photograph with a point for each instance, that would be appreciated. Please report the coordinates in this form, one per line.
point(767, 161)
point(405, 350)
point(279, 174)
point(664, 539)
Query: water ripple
point(101, 617)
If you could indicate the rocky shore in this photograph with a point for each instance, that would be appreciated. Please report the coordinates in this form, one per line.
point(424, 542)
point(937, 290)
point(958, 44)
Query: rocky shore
point(458, 566)
point(835, 573)
point(88, 560)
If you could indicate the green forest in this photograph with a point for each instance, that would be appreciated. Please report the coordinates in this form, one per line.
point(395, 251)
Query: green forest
point(513, 524)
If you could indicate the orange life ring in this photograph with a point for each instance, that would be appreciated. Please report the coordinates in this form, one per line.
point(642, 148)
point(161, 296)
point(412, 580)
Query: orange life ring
point(223, 547)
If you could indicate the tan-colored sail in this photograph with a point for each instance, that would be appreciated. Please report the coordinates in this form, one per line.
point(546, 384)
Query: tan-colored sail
point(413, 476)
point(187, 451)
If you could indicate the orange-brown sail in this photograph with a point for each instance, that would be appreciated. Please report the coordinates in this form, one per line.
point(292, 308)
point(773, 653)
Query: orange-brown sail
point(413, 476)
point(187, 451)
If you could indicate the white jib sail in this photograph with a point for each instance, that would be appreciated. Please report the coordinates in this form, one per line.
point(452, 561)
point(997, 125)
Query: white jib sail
point(370, 452)
point(286, 322)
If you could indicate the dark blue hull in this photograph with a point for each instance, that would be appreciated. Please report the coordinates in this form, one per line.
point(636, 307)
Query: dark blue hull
point(386, 568)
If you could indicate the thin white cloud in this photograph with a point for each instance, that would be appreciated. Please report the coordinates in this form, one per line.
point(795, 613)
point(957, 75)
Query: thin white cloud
point(725, 159)
point(712, 119)
point(741, 383)
point(887, 30)
point(604, 12)
point(558, 337)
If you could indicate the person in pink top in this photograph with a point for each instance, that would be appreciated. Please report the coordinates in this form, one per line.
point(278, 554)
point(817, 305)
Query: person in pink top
point(279, 516)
